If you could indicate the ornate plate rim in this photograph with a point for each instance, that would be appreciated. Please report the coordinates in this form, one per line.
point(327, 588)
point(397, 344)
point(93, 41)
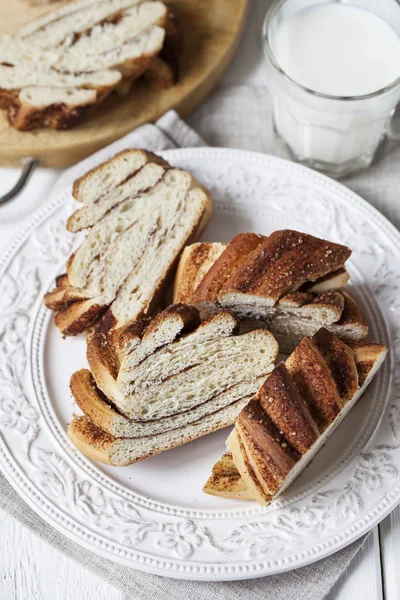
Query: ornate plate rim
point(235, 570)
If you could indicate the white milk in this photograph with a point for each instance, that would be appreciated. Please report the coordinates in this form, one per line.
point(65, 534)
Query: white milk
point(338, 50)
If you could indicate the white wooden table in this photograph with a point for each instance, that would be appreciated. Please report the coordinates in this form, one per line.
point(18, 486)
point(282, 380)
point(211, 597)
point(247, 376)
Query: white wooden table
point(29, 568)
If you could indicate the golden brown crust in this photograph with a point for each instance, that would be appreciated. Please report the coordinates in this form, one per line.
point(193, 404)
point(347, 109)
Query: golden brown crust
point(187, 315)
point(332, 300)
point(195, 262)
point(90, 439)
point(226, 265)
point(76, 317)
point(89, 399)
point(284, 262)
point(315, 383)
point(62, 281)
point(226, 481)
point(25, 117)
point(56, 299)
point(366, 355)
point(251, 462)
point(268, 451)
point(281, 401)
point(235, 445)
point(103, 361)
point(351, 314)
point(102, 446)
point(340, 360)
point(126, 338)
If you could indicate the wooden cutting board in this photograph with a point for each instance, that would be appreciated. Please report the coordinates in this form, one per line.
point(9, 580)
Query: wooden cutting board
point(212, 31)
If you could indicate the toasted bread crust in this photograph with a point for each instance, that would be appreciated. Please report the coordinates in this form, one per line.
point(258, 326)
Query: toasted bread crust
point(280, 400)
point(283, 262)
point(340, 359)
point(352, 314)
point(227, 264)
point(195, 262)
point(315, 383)
point(368, 358)
point(366, 355)
point(89, 400)
point(90, 439)
point(236, 447)
point(186, 315)
point(226, 481)
point(269, 453)
point(78, 316)
point(104, 447)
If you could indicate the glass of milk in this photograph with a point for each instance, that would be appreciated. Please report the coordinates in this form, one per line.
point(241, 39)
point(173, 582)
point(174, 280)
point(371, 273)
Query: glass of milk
point(334, 77)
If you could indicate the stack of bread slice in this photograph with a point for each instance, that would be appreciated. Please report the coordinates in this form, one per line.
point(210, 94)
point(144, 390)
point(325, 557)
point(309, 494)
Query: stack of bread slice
point(139, 213)
point(162, 382)
point(207, 361)
point(299, 405)
point(70, 59)
point(290, 282)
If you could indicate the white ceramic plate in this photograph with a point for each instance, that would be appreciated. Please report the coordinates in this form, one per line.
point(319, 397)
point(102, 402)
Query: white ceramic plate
point(153, 515)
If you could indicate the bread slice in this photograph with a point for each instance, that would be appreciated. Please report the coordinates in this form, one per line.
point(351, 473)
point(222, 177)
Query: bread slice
point(226, 480)
point(69, 60)
point(196, 260)
point(34, 94)
point(140, 213)
point(267, 457)
point(162, 378)
point(99, 409)
point(166, 381)
point(263, 282)
point(119, 452)
point(158, 372)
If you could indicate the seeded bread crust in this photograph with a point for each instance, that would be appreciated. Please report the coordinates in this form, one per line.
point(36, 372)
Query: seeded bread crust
point(279, 282)
point(271, 443)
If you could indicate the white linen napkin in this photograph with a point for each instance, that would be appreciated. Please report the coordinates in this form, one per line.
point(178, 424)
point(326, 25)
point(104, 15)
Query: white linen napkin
point(308, 583)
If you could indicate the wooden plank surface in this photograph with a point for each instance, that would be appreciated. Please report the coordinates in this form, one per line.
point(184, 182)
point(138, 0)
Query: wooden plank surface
point(390, 552)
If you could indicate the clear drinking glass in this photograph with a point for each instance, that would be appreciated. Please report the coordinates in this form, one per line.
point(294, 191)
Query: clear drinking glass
point(337, 135)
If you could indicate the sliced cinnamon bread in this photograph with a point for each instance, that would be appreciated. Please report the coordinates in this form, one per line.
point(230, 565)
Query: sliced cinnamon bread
point(300, 404)
point(63, 63)
point(289, 282)
point(170, 379)
point(140, 213)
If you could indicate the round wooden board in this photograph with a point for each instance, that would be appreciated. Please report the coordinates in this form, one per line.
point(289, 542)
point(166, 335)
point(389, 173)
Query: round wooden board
point(212, 31)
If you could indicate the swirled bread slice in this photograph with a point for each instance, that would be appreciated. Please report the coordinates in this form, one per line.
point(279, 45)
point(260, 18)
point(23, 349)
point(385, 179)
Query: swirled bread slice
point(300, 404)
point(176, 379)
point(99, 409)
point(140, 213)
point(174, 364)
point(69, 60)
point(290, 284)
point(119, 452)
